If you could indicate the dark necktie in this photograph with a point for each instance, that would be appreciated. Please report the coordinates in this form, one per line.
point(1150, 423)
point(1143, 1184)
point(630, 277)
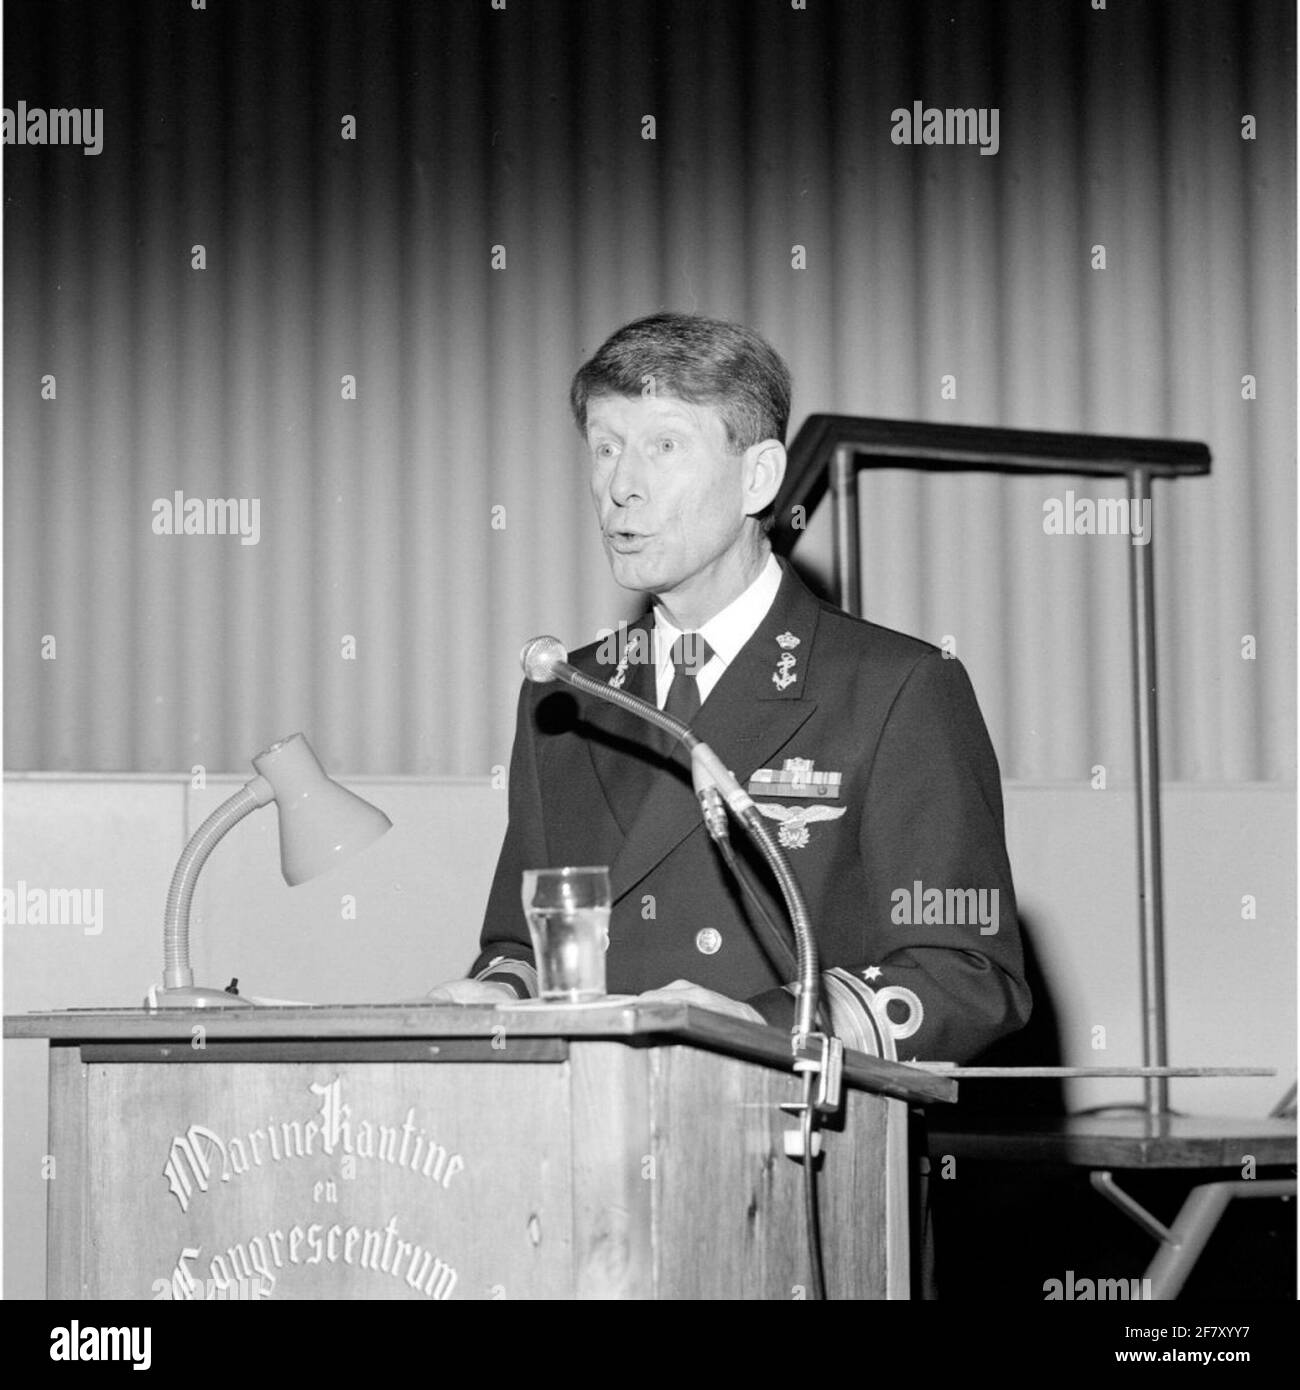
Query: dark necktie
point(690, 653)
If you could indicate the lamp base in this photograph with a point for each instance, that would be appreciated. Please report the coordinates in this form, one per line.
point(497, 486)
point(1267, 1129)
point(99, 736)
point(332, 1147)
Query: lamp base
point(194, 997)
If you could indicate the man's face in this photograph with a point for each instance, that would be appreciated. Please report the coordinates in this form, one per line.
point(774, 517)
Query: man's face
point(670, 497)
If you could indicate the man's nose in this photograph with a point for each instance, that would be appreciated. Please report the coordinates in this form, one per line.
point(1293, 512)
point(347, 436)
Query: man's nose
point(628, 481)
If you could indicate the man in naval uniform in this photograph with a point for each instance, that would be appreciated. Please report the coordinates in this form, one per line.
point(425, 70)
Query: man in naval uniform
point(865, 748)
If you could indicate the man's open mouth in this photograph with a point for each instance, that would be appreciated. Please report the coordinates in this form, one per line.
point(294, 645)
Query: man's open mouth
point(621, 539)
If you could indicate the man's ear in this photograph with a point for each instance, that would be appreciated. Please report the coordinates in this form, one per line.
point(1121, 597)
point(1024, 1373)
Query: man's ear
point(764, 470)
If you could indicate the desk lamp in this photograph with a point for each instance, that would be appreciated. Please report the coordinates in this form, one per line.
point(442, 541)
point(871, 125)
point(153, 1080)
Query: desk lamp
point(321, 824)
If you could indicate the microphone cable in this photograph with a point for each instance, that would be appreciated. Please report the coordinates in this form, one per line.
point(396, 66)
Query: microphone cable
point(812, 1216)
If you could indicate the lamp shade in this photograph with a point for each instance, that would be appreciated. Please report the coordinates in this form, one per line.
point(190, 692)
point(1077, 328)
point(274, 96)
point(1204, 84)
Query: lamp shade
point(321, 823)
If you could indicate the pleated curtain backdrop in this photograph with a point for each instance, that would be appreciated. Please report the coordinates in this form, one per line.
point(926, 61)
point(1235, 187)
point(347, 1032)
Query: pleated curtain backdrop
point(209, 293)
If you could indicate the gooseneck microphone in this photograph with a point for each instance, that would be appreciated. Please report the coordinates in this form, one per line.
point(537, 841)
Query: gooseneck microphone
point(545, 659)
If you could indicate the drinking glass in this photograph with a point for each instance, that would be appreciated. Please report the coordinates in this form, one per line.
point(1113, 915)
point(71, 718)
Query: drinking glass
point(568, 920)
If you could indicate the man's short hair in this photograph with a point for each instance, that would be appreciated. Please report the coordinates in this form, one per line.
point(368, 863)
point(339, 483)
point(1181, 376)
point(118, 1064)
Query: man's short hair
point(704, 361)
point(696, 359)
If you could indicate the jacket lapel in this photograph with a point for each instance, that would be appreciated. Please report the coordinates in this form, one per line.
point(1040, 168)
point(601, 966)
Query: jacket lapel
point(626, 753)
point(753, 711)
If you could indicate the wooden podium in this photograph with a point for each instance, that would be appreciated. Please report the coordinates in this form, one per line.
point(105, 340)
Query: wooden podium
point(623, 1150)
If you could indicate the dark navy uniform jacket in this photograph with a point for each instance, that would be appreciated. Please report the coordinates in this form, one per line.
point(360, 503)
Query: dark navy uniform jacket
point(919, 809)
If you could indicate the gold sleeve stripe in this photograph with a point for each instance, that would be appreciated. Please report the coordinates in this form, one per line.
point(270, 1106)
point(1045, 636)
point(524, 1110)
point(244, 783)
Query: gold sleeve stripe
point(518, 971)
point(854, 1014)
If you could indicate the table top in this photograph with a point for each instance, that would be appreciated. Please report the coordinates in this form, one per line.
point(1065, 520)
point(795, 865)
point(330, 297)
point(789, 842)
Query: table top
point(1120, 1139)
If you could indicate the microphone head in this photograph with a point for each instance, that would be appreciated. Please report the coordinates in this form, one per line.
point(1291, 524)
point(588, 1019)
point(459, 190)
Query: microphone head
point(539, 657)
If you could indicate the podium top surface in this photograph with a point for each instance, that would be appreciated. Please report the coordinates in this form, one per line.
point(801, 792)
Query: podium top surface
point(630, 1021)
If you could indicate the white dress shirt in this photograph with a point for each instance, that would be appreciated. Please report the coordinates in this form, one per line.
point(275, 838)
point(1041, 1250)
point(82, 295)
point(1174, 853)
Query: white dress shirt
point(725, 632)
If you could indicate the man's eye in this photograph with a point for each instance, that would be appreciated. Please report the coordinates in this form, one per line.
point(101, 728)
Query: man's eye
point(667, 445)
point(604, 451)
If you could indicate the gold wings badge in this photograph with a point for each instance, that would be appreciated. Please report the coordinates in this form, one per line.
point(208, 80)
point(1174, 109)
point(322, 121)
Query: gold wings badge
point(795, 820)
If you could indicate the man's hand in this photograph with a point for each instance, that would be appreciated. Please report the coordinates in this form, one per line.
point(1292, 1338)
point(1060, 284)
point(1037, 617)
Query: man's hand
point(472, 992)
point(683, 992)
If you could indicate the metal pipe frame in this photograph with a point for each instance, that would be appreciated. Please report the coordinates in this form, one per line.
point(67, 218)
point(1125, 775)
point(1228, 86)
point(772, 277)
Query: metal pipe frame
point(843, 483)
point(844, 512)
point(1182, 1243)
point(1151, 907)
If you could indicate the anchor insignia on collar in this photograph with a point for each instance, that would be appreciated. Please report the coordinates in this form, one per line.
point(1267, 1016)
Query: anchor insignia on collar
point(632, 651)
point(783, 677)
